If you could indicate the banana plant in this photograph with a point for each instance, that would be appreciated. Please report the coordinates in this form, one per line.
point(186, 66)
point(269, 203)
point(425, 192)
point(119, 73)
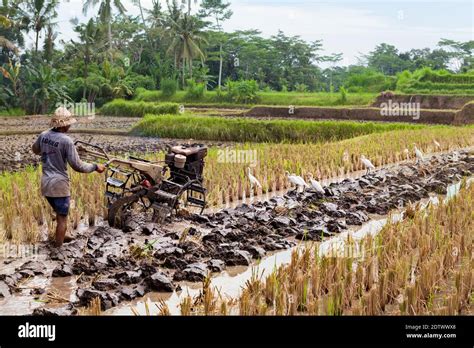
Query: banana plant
point(11, 72)
point(46, 87)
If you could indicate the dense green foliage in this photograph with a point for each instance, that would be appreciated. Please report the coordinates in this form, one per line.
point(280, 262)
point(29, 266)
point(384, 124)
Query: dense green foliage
point(248, 129)
point(12, 112)
point(180, 45)
point(121, 107)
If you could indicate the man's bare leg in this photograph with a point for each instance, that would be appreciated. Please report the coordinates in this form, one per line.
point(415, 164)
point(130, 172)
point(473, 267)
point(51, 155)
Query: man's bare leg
point(61, 228)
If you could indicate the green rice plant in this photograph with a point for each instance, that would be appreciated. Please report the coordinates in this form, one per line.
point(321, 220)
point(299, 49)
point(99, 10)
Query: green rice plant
point(121, 107)
point(286, 98)
point(254, 130)
point(428, 81)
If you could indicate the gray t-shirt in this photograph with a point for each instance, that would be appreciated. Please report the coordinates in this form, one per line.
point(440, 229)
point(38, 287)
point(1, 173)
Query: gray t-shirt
point(56, 150)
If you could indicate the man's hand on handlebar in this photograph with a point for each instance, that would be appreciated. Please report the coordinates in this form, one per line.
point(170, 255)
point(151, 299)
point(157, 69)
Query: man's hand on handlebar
point(100, 168)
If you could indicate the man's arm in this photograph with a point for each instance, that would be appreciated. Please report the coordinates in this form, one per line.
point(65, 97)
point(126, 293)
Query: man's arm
point(36, 146)
point(75, 162)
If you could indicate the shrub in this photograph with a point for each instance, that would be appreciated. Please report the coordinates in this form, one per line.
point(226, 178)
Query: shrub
point(168, 87)
point(12, 112)
point(301, 88)
point(121, 107)
point(148, 96)
point(195, 91)
point(368, 80)
point(136, 81)
point(343, 93)
point(242, 92)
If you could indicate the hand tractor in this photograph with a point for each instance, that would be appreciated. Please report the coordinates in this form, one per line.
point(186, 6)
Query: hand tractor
point(164, 186)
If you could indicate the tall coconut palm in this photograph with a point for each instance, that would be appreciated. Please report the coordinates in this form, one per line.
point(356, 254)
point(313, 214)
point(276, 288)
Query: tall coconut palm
point(105, 13)
point(48, 46)
point(186, 38)
point(38, 14)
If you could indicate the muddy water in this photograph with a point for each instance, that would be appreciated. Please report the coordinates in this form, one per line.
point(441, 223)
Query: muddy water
point(230, 282)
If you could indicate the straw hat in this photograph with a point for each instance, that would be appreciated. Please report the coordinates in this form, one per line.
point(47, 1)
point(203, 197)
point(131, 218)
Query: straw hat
point(62, 117)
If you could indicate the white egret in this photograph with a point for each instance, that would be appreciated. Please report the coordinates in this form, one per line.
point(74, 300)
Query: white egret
point(418, 153)
point(367, 164)
point(345, 156)
point(296, 180)
point(315, 184)
point(253, 180)
point(406, 152)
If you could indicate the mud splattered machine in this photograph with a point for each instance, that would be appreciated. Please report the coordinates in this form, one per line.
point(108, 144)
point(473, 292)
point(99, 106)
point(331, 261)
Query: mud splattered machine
point(163, 186)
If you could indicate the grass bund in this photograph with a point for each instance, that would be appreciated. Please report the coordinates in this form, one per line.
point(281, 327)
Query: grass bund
point(128, 108)
point(241, 129)
point(265, 98)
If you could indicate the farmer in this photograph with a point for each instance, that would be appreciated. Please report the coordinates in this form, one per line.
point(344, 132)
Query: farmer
point(56, 150)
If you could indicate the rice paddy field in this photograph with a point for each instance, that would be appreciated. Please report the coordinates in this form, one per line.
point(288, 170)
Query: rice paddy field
point(272, 248)
point(204, 173)
point(420, 265)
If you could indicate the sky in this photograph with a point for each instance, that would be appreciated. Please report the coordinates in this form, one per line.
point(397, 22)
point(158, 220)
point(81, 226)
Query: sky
point(350, 27)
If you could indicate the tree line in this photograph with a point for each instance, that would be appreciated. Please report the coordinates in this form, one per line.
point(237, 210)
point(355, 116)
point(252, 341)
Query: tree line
point(116, 53)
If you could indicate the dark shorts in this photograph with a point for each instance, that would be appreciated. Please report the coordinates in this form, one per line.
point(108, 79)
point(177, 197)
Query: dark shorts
point(60, 204)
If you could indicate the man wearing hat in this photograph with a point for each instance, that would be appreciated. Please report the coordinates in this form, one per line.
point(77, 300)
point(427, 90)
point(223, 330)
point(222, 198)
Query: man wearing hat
point(57, 150)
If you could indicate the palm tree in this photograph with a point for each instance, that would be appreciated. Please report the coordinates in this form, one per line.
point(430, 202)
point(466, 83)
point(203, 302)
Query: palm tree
point(186, 38)
point(105, 13)
point(38, 14)
point(48, 47)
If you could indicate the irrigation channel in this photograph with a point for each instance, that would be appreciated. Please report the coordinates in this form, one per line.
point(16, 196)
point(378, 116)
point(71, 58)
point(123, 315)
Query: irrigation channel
point(150, 262)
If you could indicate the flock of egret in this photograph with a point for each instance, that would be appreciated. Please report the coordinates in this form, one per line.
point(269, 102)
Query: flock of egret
point(301, 184)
